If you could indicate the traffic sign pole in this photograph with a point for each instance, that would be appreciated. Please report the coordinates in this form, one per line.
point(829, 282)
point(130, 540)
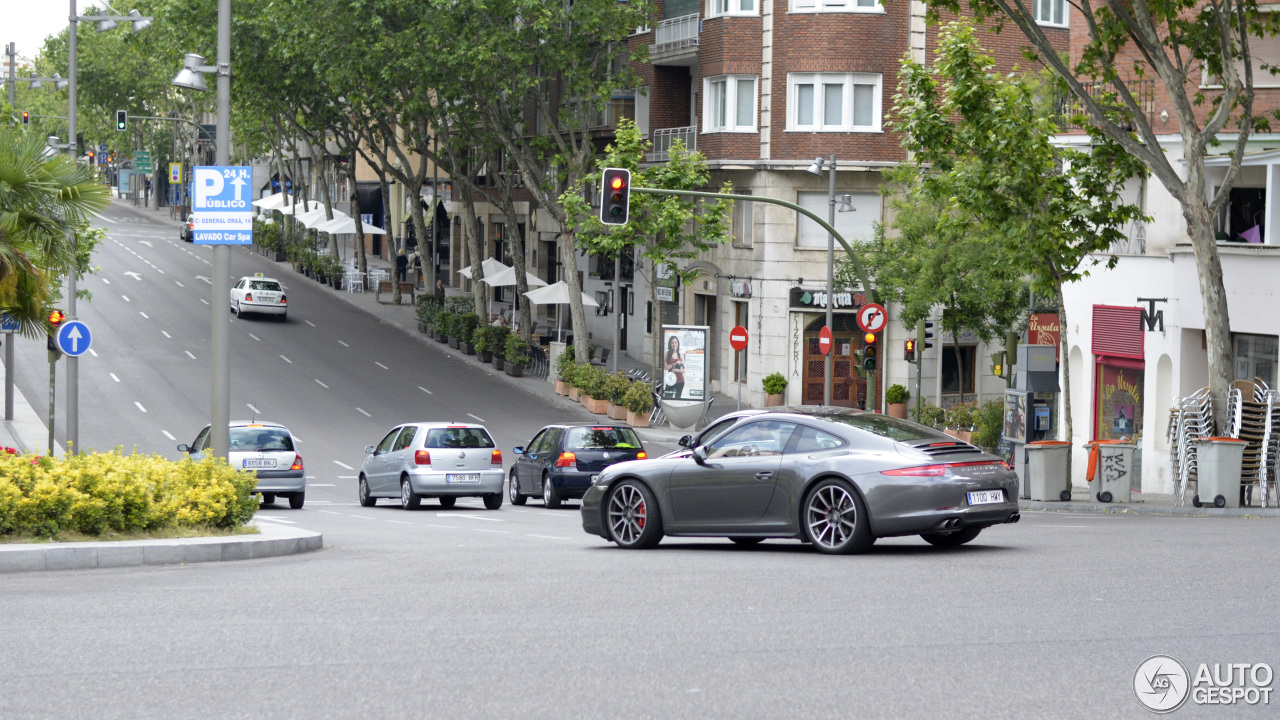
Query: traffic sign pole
point(738, 341)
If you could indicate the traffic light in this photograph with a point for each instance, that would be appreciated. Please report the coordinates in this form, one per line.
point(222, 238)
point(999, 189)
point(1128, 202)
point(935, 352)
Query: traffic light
point(869, 351)
point(91, 157)
point(122, 120)
point(997, 364)
point(924, 333)
point(26, 118)
point(909, 350)
point(615, 196)
point(111, 157)
point(55, 321)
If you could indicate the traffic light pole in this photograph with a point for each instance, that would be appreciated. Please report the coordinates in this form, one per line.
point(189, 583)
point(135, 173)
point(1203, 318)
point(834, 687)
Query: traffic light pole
point(73, 364)
point(53, 364)
point(220, 382)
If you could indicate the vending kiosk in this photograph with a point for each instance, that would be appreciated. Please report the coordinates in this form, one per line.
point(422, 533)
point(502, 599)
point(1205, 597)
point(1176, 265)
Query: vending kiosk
point(1031, 405)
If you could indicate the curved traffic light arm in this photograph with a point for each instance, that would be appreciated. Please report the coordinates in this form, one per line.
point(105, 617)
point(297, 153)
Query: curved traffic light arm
point(853, 256)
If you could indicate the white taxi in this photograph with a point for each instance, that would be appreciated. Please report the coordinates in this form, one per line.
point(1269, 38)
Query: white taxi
point(259, 294)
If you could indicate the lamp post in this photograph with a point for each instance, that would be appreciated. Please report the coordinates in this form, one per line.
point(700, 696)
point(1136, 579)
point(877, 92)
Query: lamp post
point(816, 169)
point(191, 77)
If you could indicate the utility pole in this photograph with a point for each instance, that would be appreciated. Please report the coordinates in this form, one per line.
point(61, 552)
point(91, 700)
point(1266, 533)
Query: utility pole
point(828, 363)
point(220, 418)
point(73, 364)
point(12, 50)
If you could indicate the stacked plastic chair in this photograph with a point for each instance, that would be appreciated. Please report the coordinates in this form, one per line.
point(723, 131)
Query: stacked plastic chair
point(1269, 460)
point(1248, 419)
point(1190, 418)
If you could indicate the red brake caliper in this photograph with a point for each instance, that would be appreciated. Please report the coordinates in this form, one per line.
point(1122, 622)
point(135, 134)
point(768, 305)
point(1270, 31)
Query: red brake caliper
point(640, 514)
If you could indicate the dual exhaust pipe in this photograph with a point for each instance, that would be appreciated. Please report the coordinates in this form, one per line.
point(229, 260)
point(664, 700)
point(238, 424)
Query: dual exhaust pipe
point(951, 524)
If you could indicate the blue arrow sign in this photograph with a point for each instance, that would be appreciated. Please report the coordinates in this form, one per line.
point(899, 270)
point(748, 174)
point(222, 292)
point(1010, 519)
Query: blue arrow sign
point(74, 338)
point(8, 323)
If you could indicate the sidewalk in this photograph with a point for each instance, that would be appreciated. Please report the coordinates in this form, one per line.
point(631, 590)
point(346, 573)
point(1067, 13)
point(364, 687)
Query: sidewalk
point(1082, 501)
point(27, 433)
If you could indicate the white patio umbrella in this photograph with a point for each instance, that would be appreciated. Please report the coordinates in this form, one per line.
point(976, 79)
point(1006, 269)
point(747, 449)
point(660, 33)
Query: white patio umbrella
point(317, 217)
point(346, 225)
point(490, 267)
point(272, 202)
point(300, 208)
point(507, 278)
point(557, 294)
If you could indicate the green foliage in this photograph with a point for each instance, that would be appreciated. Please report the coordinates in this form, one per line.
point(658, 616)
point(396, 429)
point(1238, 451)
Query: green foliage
point(328, 267)
point(616, 387)
point(639, 399)
point(447, 323)
point(930, 415)
point(99, 492)
point(516, 351)
point(498, 338)
point(962, 416)
point(896, 394)
point(565, 365)
point(458, 304)
point(989, 425)
point(427, 309)
point(481, 339)
point(775, 384)
point(268, 236)
point(467, 323)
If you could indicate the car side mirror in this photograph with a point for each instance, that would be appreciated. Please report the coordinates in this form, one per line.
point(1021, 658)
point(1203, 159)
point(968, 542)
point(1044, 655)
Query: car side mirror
point(685, 441)
point(368, 449)
point(184, 448)
point(700, 455)
point(517, 450)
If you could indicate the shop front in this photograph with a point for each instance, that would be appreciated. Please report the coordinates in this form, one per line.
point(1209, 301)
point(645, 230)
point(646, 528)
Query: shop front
point(848, 387)
point(1119, 370)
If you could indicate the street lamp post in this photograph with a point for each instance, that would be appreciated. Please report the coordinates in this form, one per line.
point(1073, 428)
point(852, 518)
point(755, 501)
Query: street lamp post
point(816, 168)
point(220, 374)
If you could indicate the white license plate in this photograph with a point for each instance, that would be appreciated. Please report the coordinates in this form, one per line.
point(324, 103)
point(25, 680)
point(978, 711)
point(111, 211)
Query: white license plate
point(260, 464)
point(986, 497)
point(468, 478)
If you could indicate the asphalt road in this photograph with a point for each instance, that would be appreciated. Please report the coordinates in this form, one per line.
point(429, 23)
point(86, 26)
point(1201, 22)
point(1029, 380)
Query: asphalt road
point(513, 613)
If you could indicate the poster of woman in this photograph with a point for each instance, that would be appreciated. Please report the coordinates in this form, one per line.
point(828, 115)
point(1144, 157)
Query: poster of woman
point(683, 362)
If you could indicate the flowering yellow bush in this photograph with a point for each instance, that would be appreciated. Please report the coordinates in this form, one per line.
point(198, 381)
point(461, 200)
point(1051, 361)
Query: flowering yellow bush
point(96, 492)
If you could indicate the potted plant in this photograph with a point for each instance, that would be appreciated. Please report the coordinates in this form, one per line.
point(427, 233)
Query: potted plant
point(517, 356)
point(896, 396)
point(774, 386)
point(593, 381)
point(931, 415)
point(428, 308)
point(447, 323)
point(639, 402)
point(498, 345)
point(480, 340)
point(467, 323)
point(616, 389)
point(564, 371)
point(960, 419)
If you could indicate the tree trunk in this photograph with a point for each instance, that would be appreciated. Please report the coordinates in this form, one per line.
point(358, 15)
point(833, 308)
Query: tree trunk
point(394, 244)
point(955, 343)
point(1217, 322)
point(577, 317)
point(475, 252)
point(355, 215)
point(1065, 362)
point(419, 230)
point(517, 259)
point(326, 196)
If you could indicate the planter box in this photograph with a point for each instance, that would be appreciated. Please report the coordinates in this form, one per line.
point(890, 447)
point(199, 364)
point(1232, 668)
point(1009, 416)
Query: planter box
point(898, 410)
point(498, 362)
point(599, 407)
point(773, 400)
point(964, 435)
point(422, 328)
point(275, 255)
point(562, 388)
point(637, 420)
point(453, 343)
point(485, 356)
point(515, 370)
point(468, 348)
point(573, 393)
point(617, 412)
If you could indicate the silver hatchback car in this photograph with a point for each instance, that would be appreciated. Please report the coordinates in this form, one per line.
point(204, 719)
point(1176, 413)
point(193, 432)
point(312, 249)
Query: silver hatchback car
point(433, 460)
point(269, 450)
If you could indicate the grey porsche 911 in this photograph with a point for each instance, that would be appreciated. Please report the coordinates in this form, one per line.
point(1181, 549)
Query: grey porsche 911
point(835, 477)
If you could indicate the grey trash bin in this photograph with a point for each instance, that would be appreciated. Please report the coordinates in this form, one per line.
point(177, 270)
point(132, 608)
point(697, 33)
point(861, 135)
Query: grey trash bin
point(1113, 471)
point(1046, 473)
point(1218, 462)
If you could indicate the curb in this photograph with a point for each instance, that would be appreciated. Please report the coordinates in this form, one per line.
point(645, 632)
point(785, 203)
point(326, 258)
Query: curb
point(274, 541)
point(1139, 509)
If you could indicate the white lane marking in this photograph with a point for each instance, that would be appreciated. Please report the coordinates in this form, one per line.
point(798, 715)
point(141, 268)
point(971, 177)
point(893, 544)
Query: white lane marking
point(476, 417)
point(362, 517)
point(255, 337)
point(320, 484)
point(286, 359)
point(297, 439)
point(309, 323)
point(365, 413)
point(343, 344)
point(330, 512)
point(311, 477)
point(113, 377)
point(425, 390)
point(346, 477)
point(207, 280)
point(255, 410)
point(93, 352)
point(126, 298)
point(144, 315)
point(188, 352)
point(384, 367)
point(133, 275)
point(400, 522)
point(469, 517)
point(1063, 526)
point(326, 387)
point(158, 270)
point(274, 518)
point(446, 527)
point(106, 281)
point(549, 537)
point(180, 284)
point(135, 402)
point(166, 334)
point(144, 242)
point(166, 434)
point(343, 465)
point(104, 219)
point(504, 532)
point(206, 302)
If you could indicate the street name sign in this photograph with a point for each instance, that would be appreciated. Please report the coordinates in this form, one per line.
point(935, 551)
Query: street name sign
point(74, 338)
point(872, 318)
point(738, 338)
point(220, 205)
point(824, 340)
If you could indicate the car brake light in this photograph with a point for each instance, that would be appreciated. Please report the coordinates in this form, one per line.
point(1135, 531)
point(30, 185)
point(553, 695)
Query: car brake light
point(919, 471)
point(282, 301)
point(248, 297)
point(297, 462)
point(497, 458)
point(422, 457)
point(566, 459)
point(641, 455)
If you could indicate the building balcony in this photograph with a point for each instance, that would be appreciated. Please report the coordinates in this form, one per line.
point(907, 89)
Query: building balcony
point(661, 142)
point(676, 41)
point(1068, 108)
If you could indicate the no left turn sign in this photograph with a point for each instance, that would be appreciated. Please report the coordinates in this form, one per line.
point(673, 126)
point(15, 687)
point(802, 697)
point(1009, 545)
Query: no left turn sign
point(872, 318)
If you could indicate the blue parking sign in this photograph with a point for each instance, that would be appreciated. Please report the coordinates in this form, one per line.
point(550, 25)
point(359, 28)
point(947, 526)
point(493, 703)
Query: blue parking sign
point(221, 206)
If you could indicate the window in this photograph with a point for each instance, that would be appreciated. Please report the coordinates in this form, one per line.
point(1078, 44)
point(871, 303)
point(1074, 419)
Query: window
point(743, 223)
point(768, 437)
point(951, 370)
point(1256, 357)
point(1051, 12)
point(458, 437)
point(730, 104)
point(406, 437)
point(385, 445)
point(712, 431)
point(810, 440)
point(602, 438)
point(834, 6)
point(716, 8)
point(858, 225)
point(831, 102)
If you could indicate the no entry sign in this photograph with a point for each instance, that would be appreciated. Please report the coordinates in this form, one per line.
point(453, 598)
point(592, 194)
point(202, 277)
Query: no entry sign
point(738, 338)
point(824, 341)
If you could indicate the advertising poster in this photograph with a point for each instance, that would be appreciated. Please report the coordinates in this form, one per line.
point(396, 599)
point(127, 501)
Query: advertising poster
point(1119, 411)
point(1015, 416)
point(684, 362)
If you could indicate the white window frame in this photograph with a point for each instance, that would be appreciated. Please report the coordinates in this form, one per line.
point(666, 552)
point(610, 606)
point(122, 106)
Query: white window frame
point(1054, 7)
point(732, 8)
point(837, 6)
point(710, 123)
point(848, 81)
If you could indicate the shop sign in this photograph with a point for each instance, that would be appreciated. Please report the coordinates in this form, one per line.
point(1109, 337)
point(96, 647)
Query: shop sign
point(666, 277)
point(1045, 329)
point(665, 294)
point(802, 299)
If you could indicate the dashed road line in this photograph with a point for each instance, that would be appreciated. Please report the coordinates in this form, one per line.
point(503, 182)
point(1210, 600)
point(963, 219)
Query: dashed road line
point(180, 284)
point(504, 532)
point(362, 517)
point(144, 315)
point(330, 512)
point(188, 352)
point(476, 417)
point(309, 323)
point(286, 359)
point(135, 402)
point(255, 337)
point(384, 367)
point(206, 302)
point(326, 387)
point(166, 434)
point(343, 344)
point(166, 334)
point(93, 352)
point(113, 377)
point(364, 413)
point(126, 298)
point(320, 484)
point(469, 517)
point(255, 410)
point(425, 390)
point(549, 537)
point(343, 465)
point(106, 281)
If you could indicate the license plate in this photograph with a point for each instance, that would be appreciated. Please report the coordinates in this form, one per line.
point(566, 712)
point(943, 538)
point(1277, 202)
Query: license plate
point(986, 497)
point(260, 464)
point(468, 478)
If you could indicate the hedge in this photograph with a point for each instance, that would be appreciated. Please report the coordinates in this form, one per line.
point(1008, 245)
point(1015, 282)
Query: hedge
point(99, 492)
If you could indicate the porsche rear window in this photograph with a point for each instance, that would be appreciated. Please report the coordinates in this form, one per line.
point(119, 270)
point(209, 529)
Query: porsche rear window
point(458, 438)
point(885, 426)
point(602, 438)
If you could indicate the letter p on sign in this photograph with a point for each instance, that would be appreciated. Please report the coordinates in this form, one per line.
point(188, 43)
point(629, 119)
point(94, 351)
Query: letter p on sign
point(208, 185)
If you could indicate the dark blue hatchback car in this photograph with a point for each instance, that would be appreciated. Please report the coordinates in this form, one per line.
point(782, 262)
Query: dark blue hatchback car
point(561, 460)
